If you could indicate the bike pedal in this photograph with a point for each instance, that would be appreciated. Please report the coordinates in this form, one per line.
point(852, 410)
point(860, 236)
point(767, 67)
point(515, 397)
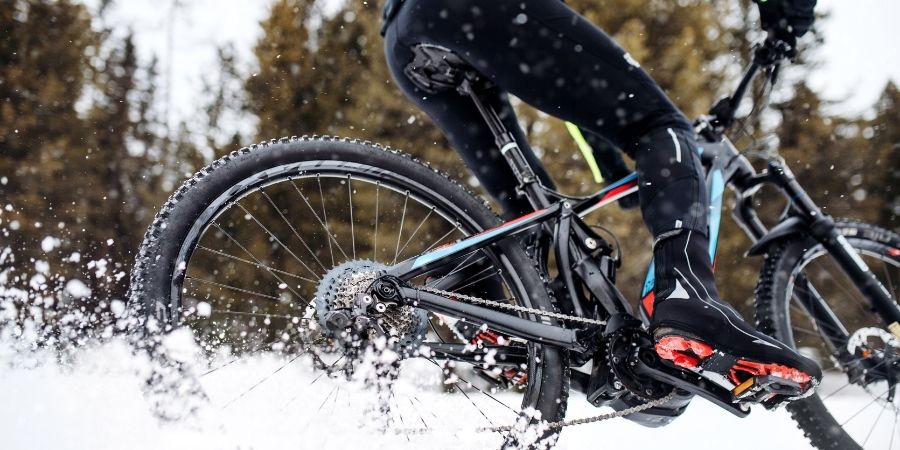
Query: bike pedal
point(749, 382)
point(769, 391)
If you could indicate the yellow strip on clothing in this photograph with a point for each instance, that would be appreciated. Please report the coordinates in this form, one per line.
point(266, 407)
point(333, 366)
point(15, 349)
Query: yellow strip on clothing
point(586, 151)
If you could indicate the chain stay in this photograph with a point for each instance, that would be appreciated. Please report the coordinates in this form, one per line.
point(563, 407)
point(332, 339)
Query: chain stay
point(511, 307)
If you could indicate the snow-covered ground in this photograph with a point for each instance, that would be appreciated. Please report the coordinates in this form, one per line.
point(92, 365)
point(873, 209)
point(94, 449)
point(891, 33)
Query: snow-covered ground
point(64, 391)
point(96, 402)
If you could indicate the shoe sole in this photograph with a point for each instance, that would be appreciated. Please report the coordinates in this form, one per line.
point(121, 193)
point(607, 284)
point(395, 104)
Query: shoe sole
point(695, 355)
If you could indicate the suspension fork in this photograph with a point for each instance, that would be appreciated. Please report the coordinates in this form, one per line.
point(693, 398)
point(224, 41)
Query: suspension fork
point(822, 227)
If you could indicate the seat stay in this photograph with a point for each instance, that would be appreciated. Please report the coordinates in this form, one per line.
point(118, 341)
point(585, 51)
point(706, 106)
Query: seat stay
point(450, 252)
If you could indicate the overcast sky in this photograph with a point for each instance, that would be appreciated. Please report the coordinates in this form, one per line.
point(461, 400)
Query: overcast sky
point(859, 56)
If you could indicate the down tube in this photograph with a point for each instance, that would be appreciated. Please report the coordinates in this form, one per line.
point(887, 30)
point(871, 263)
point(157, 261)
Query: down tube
point(715, 185)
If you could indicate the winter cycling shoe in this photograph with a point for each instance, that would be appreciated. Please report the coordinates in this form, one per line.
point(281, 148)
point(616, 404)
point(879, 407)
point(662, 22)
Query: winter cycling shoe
point(693, 330)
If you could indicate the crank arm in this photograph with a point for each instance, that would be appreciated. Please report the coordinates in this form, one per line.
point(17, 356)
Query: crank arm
point(502, 355)
point(648, 364)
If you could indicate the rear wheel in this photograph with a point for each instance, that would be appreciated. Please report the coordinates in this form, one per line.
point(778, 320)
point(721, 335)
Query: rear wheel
point(856, 405)
point(250, 252)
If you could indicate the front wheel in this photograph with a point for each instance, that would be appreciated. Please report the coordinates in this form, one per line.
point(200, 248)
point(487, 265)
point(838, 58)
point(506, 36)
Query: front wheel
point(254, 251)
point(856, 406)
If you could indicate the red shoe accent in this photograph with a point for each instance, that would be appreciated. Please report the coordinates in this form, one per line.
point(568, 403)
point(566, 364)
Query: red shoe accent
point(674, 348)
point(760, 369)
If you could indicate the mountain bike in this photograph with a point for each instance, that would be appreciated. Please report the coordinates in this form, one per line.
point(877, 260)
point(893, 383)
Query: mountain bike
point(322, 249)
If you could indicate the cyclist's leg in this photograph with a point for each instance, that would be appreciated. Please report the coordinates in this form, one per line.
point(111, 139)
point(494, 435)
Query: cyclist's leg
point(552, 58)
point(549, 56)
point(467, 132)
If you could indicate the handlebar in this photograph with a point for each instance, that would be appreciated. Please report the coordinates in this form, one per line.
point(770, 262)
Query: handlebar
point(766, 55)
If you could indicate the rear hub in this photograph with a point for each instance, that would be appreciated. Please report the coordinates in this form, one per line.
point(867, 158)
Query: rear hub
point(337, 298)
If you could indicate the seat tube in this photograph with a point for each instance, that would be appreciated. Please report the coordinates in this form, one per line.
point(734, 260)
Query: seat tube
point(509, 148)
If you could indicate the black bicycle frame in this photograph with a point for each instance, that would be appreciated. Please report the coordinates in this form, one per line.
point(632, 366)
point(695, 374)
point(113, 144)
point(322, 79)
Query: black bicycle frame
point(581, 262)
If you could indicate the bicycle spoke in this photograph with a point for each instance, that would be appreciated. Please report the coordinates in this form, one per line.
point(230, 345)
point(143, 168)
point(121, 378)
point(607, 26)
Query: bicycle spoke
point(867, 405)
point(352, 231)
point(456, 269)
point(375, 234)
point(258, 348)
point(806, 331)
point(400, 229)
point(893, 431)
point(245, 261)
point(251, 314)
point(218, 227)
point(333, 391)
point(874, 424)
point(473, 387)
point(281, 244)
point(413, 235)
point(421, 417)
point(330, 238)
point(399, 415)
point(233, 288)
point(479, 280)
point(850, 383)
point(263, 380)
point(441, 239)
point(853, 298)
point(324, 372)
point(293, 229)
point(888, 278)
point(325, 217)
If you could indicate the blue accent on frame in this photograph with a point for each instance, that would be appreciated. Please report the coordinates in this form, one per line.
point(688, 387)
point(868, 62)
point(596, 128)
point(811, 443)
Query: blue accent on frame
point(649, 280)
point(626, 180)
point(442, 252)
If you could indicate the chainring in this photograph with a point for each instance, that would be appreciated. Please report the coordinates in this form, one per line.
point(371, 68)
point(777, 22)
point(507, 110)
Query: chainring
point(624, 348)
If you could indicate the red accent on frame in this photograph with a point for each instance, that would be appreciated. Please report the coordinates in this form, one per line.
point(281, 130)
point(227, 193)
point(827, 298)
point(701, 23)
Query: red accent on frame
point(648, 302)
point(618, 191)
point(516, 220)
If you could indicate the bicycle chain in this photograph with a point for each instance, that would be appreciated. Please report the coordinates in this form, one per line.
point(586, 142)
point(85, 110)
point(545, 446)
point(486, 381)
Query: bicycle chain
point(558, 424)
point(511, 307)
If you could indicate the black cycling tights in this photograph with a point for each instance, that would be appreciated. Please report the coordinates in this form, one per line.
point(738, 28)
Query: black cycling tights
point(552, 58)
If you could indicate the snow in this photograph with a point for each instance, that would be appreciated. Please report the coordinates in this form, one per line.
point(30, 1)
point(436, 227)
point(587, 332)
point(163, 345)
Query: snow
point(89, 407)
point(76, 392)
point(76, 288)
point(96, 402)
point(49, 243)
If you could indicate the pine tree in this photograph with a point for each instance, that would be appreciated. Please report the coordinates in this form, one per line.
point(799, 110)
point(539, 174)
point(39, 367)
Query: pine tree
point(885, 129)
point(44, 56)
